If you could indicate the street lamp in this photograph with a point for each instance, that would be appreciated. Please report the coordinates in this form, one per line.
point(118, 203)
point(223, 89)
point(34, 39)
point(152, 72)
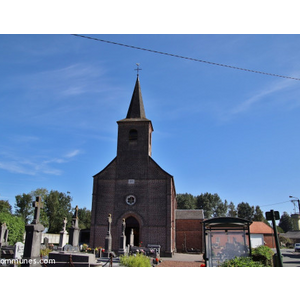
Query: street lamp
point(296, 200)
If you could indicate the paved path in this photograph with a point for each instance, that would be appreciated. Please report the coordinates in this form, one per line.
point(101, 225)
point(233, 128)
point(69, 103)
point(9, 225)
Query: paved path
point(182, 260)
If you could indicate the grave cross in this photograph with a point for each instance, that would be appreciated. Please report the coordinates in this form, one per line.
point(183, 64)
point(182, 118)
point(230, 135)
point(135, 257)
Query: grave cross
point(37, 205)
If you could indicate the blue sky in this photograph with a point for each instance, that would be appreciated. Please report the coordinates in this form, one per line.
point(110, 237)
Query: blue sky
point(216, 129)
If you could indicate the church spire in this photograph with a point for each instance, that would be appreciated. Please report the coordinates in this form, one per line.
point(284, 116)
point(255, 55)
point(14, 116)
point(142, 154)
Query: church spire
point(136, 109)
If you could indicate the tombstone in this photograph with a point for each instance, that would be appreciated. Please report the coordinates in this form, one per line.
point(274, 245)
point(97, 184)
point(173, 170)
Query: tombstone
point(3, 235)
point(122, 249)
point(46, 242)
point(19, 250)
point(108, 238)
point(33, 238)
point(74, 230)
point(63, 234)
point(70, 248)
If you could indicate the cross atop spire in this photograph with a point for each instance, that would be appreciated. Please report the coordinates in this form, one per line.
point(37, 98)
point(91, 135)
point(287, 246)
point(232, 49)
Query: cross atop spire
point(137, 69)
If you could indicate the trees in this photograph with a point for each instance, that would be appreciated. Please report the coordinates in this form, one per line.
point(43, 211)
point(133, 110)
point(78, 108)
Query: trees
point(285, 222)
point(214, 206)
point(232, 212)
point(23, 207)
point(15, 225)
point(258, 215)
point(186, 201)
point(57, 207)
point(5, 206)
point(245, 211)
point(84, 216)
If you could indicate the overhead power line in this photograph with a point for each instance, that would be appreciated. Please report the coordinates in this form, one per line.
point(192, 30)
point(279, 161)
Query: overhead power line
point(275, 203)
point(184, 57)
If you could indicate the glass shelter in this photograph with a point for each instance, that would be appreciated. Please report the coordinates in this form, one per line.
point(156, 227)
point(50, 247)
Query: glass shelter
point(225, 238)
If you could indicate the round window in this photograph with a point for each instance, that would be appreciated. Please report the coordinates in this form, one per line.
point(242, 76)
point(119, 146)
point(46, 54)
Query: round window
point(130, 200)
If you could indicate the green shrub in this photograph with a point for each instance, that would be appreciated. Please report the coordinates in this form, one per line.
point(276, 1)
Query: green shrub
point(264, 255)
point(140, 260)
point(45, 252)
point(241, 262)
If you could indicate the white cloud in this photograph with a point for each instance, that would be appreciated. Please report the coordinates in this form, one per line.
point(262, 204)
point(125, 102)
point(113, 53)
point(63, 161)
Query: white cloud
point(33, 166)
point(260, 97)
point(72, 153)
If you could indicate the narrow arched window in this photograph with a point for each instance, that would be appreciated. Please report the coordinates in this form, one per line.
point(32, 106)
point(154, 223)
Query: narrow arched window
point(133, 135)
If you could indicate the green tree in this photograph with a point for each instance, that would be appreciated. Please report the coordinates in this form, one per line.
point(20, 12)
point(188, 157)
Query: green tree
point(84, 216)
point(15, 225)
point(258, 214)
point(232, 212)
point(212, 205)
point(286, 222)
point(186, 201)
point(23, 207)
point(5, 206)
point(57, 207)
point(245, 211)
point(221, 209)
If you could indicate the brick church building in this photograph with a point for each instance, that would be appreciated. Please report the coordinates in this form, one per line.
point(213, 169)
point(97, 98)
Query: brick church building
point(134, 187)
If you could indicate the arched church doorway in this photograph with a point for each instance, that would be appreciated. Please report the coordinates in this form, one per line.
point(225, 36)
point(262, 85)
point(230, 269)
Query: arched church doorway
point(132, 223)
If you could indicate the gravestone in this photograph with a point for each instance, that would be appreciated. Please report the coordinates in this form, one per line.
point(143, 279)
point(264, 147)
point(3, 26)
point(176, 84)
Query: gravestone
point(33, 238)
point(63, 234)
point(74, 230)
point(3, 235)
point(19, 250)
point(46, 242)
point(122, 249)
point(70, 248)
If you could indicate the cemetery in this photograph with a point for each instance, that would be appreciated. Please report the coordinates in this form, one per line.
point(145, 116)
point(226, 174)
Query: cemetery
point(227, 243)
point(68, 252)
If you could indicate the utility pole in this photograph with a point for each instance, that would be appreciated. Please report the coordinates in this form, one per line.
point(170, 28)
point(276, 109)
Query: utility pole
point(274, 215)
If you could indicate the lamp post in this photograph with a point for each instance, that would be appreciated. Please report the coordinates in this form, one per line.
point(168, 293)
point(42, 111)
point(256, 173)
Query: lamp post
point(296, 200)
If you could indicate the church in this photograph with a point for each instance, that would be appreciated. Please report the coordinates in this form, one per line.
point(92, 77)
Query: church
point(135, 188)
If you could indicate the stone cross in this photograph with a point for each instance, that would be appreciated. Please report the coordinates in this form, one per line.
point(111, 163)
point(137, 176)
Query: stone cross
point(37, 210)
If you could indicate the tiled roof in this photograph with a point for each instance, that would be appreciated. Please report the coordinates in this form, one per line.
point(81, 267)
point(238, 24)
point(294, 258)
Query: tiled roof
point(260, 227)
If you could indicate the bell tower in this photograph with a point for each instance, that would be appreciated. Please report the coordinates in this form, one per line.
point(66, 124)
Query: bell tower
point(134, 138)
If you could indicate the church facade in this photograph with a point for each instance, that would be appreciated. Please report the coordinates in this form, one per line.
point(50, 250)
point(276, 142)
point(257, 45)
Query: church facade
point(135, 188)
